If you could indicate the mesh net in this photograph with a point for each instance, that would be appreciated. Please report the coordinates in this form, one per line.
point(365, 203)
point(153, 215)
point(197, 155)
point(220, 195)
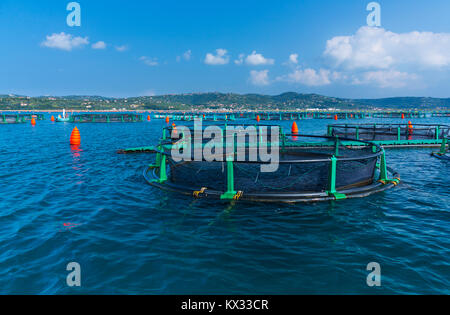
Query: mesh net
point(106, 118)
point(378, 132)
point(301, 170)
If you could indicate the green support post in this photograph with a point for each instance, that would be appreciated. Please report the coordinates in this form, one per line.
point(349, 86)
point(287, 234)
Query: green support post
point(330, 131)
point(230, 193)
point(332, 180)
point(443, 146)
point(336, 151)
point(383, 168)
point(437, 132)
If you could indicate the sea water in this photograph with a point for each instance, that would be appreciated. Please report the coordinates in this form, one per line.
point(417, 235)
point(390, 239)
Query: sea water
point(92, 206)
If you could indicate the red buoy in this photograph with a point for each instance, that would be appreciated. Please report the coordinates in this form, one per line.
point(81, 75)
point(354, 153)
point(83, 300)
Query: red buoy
point(167, 120)
point(148, 118)
point(75, 138)
point(294, 129)
point(258, 119)
point(335, 117)
point(52, 119)
point(33, 121)
point(403, 116)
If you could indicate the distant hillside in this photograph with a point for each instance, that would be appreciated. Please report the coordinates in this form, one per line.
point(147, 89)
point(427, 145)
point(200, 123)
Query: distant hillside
point(230, 101)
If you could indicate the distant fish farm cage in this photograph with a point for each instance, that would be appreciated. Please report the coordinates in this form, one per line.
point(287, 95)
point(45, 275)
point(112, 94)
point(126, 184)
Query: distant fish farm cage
point(441, 114)
point(204, 117)
point(12, 119)
point(399, 114)
point(392, 134)
point(106, 118)
point(19, 118)
point(310, 168)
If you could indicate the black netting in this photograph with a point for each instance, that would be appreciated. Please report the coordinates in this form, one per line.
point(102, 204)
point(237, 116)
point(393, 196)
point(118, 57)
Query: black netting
point(105, 118)
point(354, 173)
point(390, 132)
point(301, 170)
point(196, 175)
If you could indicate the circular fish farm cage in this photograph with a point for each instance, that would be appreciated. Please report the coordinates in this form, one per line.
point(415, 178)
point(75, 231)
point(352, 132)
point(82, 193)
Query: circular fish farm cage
point(392, 134)
point(106, 118)
point(204, 117)
point(19, 118)
point(12, 119)
point(30, 116)
point(308, 168)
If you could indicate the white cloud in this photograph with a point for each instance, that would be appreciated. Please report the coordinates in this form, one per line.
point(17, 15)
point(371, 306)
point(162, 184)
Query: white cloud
point(311, 77)
point(385, 79)
point(99, 45)
point(257, 60)
point(240, 59)
point(187, 55)
point(64, 41)
point(151, 62)
point(293, 58)
point(220, 58)
point(376, 48)
point(121, 48)
point(259, 77)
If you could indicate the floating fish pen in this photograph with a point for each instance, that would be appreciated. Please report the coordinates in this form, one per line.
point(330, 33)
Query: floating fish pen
point(12, 119)
point(308, 115)
point(392, 135)
point(441, 114)
point(204, 117)
point(399, 115)
point(444, 153)
point(19, 118)
point(308, 169)
point(106, 118)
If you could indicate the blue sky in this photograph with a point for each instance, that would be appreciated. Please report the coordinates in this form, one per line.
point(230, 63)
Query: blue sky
point(129, 48)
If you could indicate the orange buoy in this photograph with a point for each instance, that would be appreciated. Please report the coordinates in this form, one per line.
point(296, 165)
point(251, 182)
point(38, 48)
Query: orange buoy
point(52, 119)
point(410, 130)
point(75, 138)
point(167, 120)
point(148, 118)
point(294, 129)
point(403, 116)
point(335, 117)
point(258, 119)
point(33, 121)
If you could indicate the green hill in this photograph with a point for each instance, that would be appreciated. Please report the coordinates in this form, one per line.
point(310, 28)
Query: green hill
point(216, 101)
